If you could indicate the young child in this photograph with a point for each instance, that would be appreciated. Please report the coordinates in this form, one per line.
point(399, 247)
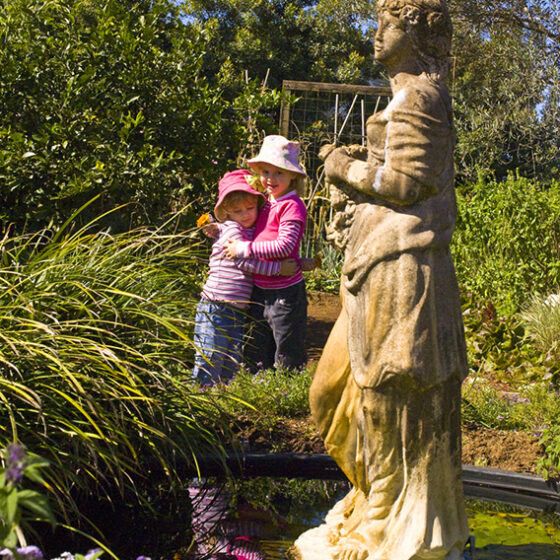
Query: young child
point(279, 304)
point(226, 295)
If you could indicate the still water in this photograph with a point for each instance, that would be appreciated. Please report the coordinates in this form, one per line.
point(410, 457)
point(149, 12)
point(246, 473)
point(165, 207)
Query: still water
point(273, 513)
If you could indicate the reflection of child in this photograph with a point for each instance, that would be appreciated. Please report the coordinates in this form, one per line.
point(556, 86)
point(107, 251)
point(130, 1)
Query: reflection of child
point(225, 296)
point(279, 305)
point(219, 535)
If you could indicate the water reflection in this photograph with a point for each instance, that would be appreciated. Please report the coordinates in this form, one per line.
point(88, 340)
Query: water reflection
point(519, 552)
point(258, 519)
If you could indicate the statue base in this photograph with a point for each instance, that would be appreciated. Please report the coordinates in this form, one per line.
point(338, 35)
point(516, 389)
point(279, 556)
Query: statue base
point(314, 545)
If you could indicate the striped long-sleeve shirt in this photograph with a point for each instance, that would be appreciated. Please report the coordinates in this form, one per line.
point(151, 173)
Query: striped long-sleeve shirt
point(278, 234)
point(232, 280)
point(280, 248)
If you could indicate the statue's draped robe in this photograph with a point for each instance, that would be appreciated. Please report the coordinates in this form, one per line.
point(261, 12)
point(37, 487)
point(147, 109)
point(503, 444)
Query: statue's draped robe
point(386, 394)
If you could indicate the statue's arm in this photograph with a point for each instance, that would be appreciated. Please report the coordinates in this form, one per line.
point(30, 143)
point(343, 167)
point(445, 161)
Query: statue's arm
point(411, 158)
point(374, 179)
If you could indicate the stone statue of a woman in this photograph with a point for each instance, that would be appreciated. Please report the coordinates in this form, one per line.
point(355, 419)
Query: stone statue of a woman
point(386, 393)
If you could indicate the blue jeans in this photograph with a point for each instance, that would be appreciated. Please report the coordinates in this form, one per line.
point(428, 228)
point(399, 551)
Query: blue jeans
point(218, 337)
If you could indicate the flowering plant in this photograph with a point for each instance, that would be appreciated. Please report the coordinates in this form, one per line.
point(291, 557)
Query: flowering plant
point(204, 220)
point(15, 501)
point(255, 182)
point(34, 553)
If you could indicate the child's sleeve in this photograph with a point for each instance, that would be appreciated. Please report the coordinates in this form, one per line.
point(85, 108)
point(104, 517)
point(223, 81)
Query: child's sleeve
point(289, 234)
point(253, 266)
point(258, 266)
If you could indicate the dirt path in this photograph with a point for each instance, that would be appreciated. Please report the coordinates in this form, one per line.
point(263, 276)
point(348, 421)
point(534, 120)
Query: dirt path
point(322, 312)
point(517, 451)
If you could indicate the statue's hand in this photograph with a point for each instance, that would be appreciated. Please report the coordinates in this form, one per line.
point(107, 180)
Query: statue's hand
point(326, 150)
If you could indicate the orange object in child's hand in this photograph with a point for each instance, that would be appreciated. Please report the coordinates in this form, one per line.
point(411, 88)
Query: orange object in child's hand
point(204, 219)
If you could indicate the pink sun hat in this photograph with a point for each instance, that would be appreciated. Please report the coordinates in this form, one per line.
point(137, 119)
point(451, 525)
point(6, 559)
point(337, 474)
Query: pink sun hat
point(280, 152)
point(230, 182)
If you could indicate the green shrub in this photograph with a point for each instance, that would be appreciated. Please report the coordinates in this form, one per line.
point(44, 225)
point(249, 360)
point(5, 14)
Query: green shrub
point(548, 466)
point(18, 505)
point(541, 316)
point(506, 243)
point(541, 406)
point(498, 347)
point(112, 98)
point(482, 405)
point(326, 278)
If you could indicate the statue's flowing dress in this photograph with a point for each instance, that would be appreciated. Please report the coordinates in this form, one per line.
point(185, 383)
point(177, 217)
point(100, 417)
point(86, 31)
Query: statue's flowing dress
point(386, 393)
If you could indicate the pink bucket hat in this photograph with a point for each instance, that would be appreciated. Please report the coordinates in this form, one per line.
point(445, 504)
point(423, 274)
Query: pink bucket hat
point(278, 151)
point(230, 182)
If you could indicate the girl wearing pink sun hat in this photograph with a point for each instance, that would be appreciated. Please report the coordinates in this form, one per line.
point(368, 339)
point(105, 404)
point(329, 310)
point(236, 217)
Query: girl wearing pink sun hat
point(278, 151)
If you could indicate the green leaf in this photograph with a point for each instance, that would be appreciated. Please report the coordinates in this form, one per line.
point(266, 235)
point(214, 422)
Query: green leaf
point(10, 509)
point(37, 504)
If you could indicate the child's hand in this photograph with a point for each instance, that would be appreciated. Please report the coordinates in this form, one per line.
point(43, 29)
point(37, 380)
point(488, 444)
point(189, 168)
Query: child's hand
point(230, 249)
point(312, 263)
point(288, 267)
point(211, 230)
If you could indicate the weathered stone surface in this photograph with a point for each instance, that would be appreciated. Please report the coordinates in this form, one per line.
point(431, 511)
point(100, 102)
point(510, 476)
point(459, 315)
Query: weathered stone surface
point(386, 393)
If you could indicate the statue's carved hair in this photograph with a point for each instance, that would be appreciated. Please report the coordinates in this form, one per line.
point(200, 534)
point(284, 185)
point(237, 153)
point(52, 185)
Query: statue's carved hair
point(429, 25)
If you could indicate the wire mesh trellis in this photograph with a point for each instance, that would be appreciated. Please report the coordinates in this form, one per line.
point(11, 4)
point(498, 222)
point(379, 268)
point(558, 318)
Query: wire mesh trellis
point(326, 113)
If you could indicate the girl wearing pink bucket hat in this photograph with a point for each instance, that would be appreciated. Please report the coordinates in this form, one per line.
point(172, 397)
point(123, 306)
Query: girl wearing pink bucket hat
point(225, 296)
point(279, 305)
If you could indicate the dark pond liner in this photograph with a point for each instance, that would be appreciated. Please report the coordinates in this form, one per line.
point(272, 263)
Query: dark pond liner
point(485, 483)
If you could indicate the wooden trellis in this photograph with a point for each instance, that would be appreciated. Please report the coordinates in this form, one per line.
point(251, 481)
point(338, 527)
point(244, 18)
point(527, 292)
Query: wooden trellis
point(326, 113)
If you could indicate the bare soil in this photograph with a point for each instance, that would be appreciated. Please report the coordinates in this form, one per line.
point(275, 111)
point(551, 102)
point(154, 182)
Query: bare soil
point(511, 450)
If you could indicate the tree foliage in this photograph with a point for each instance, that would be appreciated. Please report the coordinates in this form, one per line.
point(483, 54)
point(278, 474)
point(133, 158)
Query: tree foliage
point(507, 87)
point(506, 243)
point(308, 40)
point(505, 77)
point(149, 102)
point(107, 97)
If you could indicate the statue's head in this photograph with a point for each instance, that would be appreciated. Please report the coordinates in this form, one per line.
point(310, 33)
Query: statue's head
point(428, 24)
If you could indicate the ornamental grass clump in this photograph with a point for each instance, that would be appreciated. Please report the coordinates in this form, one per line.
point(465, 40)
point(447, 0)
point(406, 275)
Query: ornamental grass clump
point(95, 355)
point(541, 316)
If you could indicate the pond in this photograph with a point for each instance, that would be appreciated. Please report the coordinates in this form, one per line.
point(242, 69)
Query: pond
point(274, 512)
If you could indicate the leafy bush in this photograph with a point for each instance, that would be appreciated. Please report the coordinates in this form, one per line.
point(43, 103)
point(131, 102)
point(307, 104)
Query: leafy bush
point(541, 316)
point(111, 98)
point(548, 466)
point(498, 347)
point(325, 278)
point(482, 405)
point(18, 505)
point(541, 406)
point(507, 241)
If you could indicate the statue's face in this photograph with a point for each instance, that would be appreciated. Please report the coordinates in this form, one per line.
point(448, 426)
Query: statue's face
point(393, 46)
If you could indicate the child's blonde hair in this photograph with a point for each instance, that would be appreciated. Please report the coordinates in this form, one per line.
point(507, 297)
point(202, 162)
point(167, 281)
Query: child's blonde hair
point(235, 197)
point(298, 184)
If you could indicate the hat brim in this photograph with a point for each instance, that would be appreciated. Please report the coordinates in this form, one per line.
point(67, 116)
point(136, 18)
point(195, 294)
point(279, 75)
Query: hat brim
point(254, 165)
